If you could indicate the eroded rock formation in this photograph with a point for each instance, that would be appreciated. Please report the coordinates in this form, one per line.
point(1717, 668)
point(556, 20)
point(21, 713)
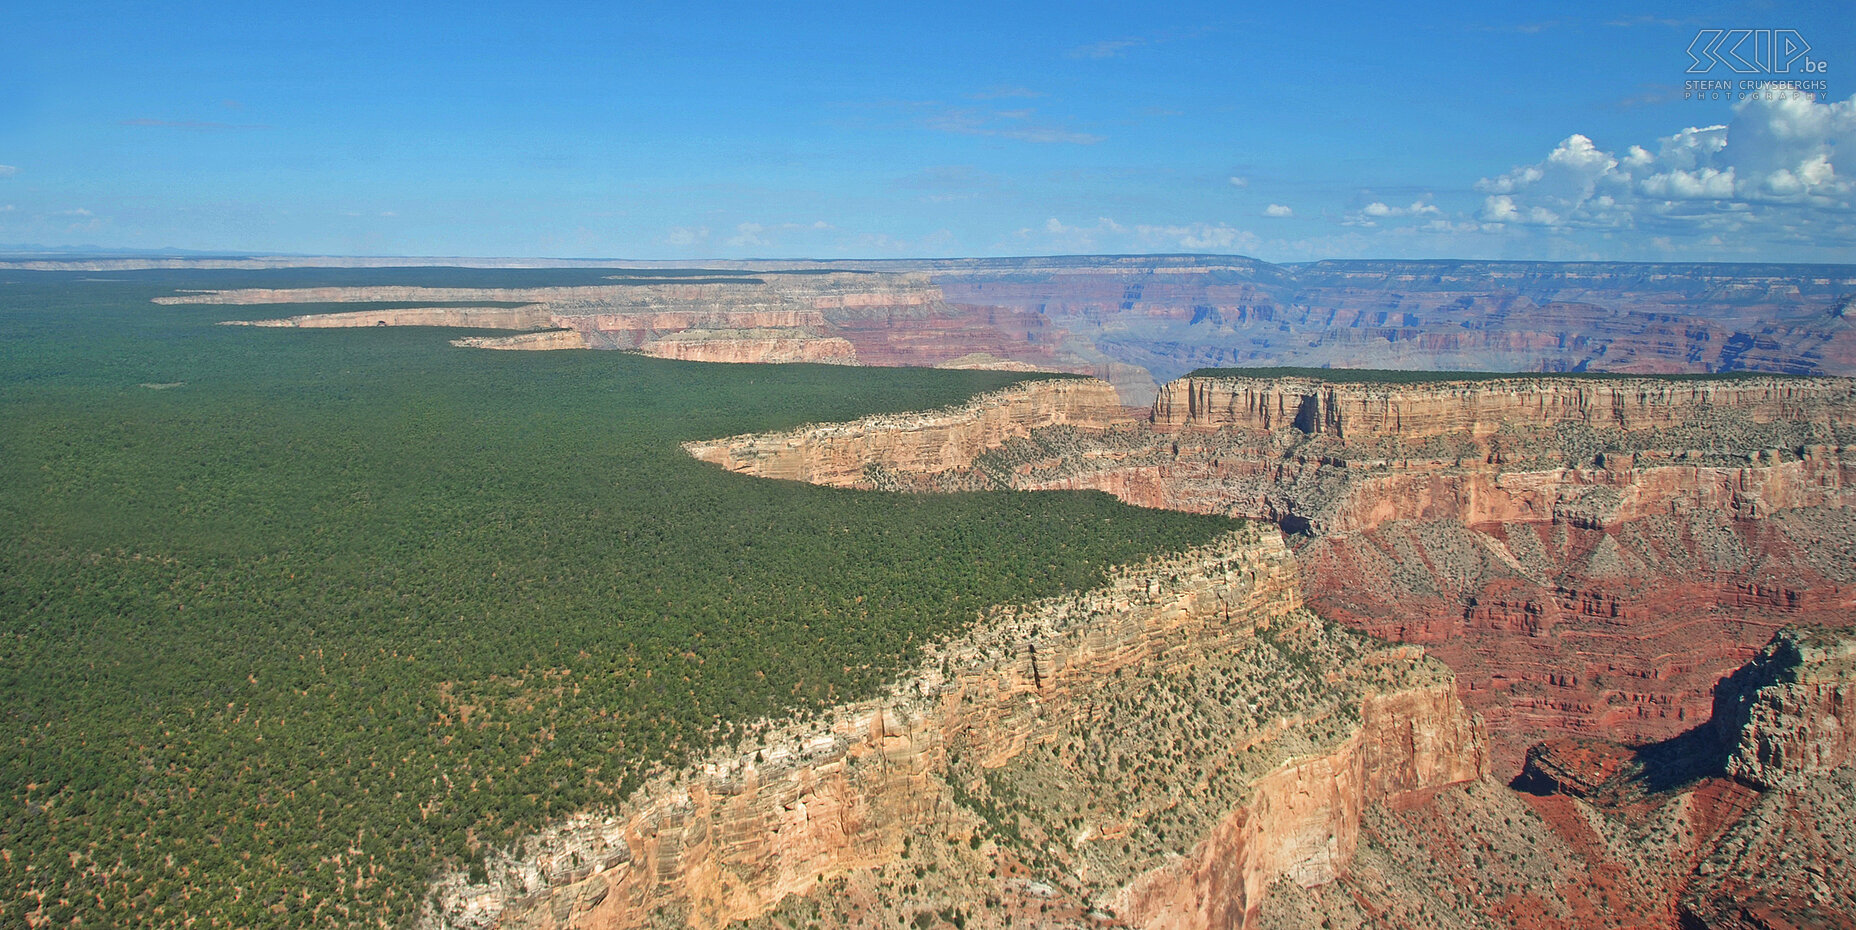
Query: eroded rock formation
point(1136, 321)
point(1588, 555)
point(1791, 712)
point(930, 442)
point(1734, 824)
point(1010, 756)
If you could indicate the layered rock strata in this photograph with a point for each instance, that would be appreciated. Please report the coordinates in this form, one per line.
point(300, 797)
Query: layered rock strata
point(833, 318)
point(1136, 321)
point(1791, 712)
point(1746, 821)
point(1290, 727)
point(930, 442)
point(1479, 409)
point(1589, 555)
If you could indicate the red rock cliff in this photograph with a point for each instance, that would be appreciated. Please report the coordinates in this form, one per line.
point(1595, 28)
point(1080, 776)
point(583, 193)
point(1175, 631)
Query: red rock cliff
point(810, 802)
point(1478, 408)
point(931, 441)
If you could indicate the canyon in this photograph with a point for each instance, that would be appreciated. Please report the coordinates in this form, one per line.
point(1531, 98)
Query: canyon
point(1011, 767)
point(1540, 650)
point(1141, 321)
point(1588, 555)
point(1192, 747)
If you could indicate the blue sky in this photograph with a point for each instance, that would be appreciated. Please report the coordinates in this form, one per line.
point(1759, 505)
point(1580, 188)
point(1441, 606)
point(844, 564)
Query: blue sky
point(1289, 131)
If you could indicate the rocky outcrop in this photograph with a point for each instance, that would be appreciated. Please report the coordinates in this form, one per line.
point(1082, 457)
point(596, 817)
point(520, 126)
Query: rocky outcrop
point(1135, 321)
point(1791, 712)
point(1589, 555)
point(1674, 834)
point(843, 454)
point(1304, 820)
point(764, 345)
point(462, 317)
point(958, 750)
point(542, 341)
point(1478, 409)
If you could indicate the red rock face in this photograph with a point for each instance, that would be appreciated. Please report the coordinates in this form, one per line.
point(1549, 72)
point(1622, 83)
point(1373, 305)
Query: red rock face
point(932, 441)
point(1139, 321)
point(1589, 557)
point(849, 791)
point(1304, 821)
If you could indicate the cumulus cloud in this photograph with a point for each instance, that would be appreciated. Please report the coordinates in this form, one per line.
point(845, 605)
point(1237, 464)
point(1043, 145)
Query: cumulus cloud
point(1372, 213)
point(1780, 162)
point(685, 236)
point(747, 235)
point(1278, 211)
point(7, 171)
point(757, 235)
point(1239, 181)
point(1075, 238)
point(1105, 234)
point(1198, 237)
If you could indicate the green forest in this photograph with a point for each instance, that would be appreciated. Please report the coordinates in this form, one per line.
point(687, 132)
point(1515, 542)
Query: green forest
point(291, 620)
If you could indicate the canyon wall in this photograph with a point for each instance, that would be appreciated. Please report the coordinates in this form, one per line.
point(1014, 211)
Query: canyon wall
point(1137, 321)
point(1479, 408)
point(1590, 556)
point(462, 317)
point(938, 758)
point(1788, 714)
point(841, 454)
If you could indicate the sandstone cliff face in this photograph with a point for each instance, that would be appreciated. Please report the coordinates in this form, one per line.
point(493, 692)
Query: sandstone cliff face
point(1589, 556)
point(841, 454)
point(1135, 321)
point(543, 341)
point(1790, 712)
point(1304, 821)
point(464, 317)
point(962, 751)
point(761, 345)
point(1658, 835)
point(1479, 409)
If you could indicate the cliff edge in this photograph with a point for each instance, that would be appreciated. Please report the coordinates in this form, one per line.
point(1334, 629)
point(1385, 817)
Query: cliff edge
point(1056, 760)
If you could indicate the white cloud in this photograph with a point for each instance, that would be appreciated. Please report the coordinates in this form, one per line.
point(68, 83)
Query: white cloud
point(685, 236)
point(1372, 213)
point(1239, 182)
point(1198, 237)
point(1076, 238)
point(1417, 208)
point(758, 235)
point(748, 235)
point(1780, 166)
point(7, 171)
point(1107, 235)
point(1277, 211)
point(6, 208)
